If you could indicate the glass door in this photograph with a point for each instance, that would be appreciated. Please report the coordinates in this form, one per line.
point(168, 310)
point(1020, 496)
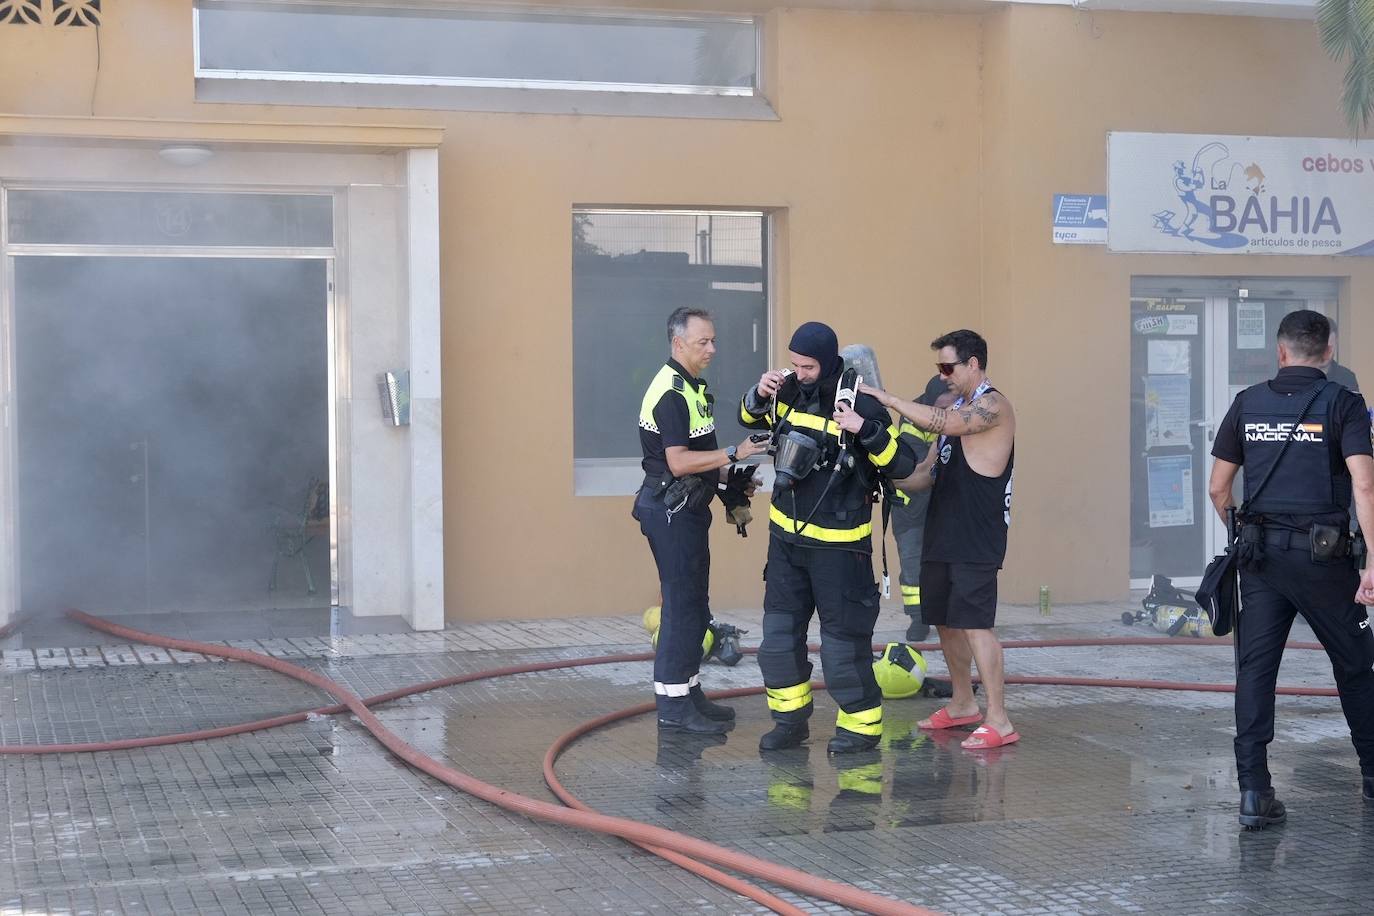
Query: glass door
point(1190, 356)
point(1171, 338)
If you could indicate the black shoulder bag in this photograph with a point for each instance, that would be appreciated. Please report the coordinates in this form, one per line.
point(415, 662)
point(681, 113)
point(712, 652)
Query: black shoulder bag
point(1219, 592)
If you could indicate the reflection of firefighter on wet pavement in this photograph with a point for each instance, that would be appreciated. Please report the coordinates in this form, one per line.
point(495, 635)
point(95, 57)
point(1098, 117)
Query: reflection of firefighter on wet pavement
point(820, 541)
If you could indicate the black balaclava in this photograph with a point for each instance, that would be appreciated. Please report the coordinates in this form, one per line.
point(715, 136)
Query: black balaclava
point(818, 341)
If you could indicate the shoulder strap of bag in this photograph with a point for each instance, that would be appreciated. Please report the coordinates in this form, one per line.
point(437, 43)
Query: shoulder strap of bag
point(1311, 399)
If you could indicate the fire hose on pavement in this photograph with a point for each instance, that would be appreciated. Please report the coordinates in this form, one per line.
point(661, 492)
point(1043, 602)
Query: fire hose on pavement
point(685, 851)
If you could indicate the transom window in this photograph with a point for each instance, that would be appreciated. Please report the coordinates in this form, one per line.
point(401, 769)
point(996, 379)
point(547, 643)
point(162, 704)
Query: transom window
point(364, 42)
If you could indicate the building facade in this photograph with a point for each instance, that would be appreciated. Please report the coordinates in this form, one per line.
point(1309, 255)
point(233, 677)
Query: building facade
point(499, 207)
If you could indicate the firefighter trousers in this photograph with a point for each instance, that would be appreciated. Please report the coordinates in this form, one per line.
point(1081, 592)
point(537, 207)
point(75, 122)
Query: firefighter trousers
point(839, 586)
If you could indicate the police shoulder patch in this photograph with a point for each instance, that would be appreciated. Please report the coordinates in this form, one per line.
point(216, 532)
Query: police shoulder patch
point(678, 383)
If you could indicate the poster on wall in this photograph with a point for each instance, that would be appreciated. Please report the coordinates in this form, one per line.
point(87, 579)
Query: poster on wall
point(1168, 405)
point(1250, 326)
point(1167, 357)
point(1170, 490)
point(1206, 194)
point(1079, 219)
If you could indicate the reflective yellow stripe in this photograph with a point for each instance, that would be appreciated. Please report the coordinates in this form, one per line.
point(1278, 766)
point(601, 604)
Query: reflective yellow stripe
point(911, 594)
point(901, 495)
point(746, 417)
point(863, 722)
point(809, 421)
point(911, 429)
point(816, 532)
point(866, 779)
point(884, 458)
point(789, 699)
point(786, 795)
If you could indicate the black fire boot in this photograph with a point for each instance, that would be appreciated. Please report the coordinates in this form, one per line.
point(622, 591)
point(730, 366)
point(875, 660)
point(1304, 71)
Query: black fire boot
point(1368, 792)
point(848, 742)
point(1260, 809)
point(918, 630)
point(716, 712)
point(785, 735)
point(678, 714)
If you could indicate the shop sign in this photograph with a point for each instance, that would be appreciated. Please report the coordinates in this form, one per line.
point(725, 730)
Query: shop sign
point(1203, 194)
point(1080, 219)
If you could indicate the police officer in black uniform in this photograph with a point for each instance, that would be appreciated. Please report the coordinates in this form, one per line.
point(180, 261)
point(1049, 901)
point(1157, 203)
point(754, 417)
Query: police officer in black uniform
point(1295, 549)
point(682, 467)
point(820, 542)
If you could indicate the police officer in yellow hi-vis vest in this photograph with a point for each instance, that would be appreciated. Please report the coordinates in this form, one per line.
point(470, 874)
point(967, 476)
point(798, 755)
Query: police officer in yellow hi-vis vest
point(682, 468)
point(820, 547)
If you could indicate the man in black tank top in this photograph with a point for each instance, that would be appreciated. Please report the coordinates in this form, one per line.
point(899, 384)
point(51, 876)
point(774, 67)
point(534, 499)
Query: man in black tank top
point(969, 473)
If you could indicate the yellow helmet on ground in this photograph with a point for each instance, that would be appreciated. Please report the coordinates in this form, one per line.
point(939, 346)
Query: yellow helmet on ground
point(653, 617)
point(900, 671)
point(1182, 621)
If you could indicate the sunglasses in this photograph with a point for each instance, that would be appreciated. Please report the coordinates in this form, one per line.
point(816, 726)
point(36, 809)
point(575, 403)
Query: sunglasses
point(947, 369)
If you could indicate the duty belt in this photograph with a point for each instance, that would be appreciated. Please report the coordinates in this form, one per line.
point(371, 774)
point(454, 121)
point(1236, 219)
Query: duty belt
point(1285, 538)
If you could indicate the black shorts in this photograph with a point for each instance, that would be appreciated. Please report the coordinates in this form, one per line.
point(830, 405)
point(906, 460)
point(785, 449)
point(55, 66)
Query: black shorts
point(959, 595)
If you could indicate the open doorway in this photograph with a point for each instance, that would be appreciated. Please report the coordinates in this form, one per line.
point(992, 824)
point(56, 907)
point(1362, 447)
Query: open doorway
point(172, 433)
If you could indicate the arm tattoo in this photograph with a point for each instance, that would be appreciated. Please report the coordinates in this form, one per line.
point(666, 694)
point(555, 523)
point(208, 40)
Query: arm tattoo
point(938, 416)
point(986, 413)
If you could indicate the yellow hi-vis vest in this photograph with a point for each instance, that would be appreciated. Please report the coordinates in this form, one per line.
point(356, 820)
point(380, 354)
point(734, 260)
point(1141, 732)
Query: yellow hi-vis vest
point(700, 412)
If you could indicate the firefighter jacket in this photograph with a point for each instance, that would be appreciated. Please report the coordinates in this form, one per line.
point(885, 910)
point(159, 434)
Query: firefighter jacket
point(840, 516)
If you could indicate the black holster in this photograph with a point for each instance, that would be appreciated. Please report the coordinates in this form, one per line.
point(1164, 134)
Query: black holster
point(688, 492)
point(1249, 546)
point(1328, 542)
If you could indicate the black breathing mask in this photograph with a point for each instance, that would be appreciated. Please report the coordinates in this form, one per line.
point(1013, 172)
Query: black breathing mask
point(795, 457)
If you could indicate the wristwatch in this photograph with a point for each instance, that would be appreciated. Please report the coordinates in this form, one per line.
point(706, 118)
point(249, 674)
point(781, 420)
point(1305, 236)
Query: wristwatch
point(730, 453)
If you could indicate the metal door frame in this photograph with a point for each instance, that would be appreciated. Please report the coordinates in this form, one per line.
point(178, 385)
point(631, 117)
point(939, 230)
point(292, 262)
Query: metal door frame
point(9, 420)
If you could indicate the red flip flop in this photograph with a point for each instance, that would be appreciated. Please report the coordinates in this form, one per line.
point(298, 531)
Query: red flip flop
point(943, 719)
point(985, 738)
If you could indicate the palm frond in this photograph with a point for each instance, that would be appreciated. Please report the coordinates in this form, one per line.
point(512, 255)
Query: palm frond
point(1346, 28)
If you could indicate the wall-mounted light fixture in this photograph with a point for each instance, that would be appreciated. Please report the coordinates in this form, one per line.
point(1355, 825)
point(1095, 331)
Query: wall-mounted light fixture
point(185, 156)
point(394, 388)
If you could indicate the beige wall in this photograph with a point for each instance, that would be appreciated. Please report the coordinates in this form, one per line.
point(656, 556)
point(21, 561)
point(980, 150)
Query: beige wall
point(1066, 80)
point(912, 169)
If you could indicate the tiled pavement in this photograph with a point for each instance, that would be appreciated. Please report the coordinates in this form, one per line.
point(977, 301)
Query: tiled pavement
point(1116, 801)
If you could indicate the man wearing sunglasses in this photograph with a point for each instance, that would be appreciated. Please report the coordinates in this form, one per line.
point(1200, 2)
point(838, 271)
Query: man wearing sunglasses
point(969, 473)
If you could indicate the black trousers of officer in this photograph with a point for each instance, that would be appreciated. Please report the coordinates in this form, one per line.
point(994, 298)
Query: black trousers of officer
point(1290, 582)
point(837, 584)
point(682, 553)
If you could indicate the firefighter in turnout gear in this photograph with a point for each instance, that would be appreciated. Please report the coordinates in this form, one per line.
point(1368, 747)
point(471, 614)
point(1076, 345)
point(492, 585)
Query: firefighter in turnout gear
point(909, 513)
point(682, 471)
point(1304, 443)
point(820, 540)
